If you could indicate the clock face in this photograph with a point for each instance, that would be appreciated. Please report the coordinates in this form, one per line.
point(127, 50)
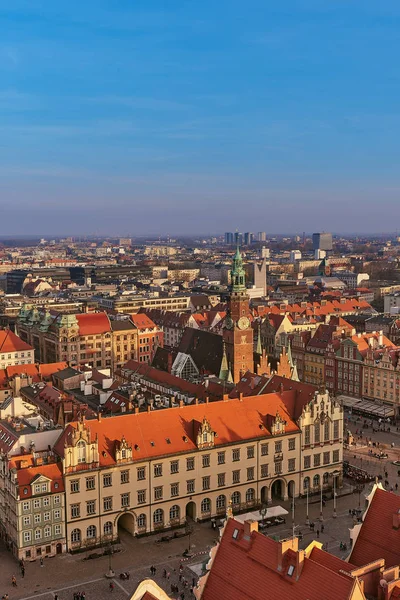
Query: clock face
point(243, 323)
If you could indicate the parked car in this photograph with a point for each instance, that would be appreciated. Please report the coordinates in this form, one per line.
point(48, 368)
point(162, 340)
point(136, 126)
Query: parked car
point(279, 521)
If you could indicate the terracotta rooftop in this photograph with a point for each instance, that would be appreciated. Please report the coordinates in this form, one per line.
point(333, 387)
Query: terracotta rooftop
point(93, 323)
point(9, 342)
point(377, 537)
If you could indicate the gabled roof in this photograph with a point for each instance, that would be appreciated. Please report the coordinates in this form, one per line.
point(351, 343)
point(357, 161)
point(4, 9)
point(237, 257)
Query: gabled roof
point(9, 342)
point(205, 348)
point(377, 537)
point(246, 566)
point(93, 323)
point(143, 321)
point(26, 477)
point(173, 430)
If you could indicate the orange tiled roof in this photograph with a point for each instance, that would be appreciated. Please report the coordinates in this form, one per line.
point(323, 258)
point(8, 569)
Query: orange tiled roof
point(22, 369)
point(377, 537)
point(52, 471)
point(9, 342)
point(149, 432)
point(142, 321)
point(93, 323)
point(243, 569)
point(48, 369)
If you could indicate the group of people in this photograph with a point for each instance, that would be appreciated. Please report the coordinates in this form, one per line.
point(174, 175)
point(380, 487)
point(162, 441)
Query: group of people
point(79, 596)
point(181, 583)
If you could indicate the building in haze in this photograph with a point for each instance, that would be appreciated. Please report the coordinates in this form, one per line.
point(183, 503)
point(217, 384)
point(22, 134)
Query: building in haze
point(322, 241)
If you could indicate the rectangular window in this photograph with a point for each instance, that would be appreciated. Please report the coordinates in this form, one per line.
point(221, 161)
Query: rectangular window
point(335, 457)
point(141, 473)
point(174, 466)
point(326, 431)
point(206, 460)
point(75, 511)
point(90, 483)
point(107, 480)
point(74, 486)
point(292, 444)
point(236, 454)
point(141, 496)
point(27, 536)
point(107, 503)
point(264, 449)
point(57, 529)
point(327, 458)
point(36, 503)
point(46, 516)
point(291, 464)
point(125, 476)
point(317, 433)
point(174, 489)
point(221, 479)
point(44, 487)
point(125, 500)
point(27, 520)
point(158, 493)
point(307, 435)
point(57, 514)
point(278, 447)
point(158, 470)
point(25, 506)
point(307, 462)
point(206, 483)
point(317, 460)
point(278, 467)
point(250, 473)
point(336, 429)
point(221, 458)
point(250, 451)
point(189, 464)
point(46, 501)
point(38, 534)
point(90, 507)
point(235, 476)
point(190, 486)
point(264, 470)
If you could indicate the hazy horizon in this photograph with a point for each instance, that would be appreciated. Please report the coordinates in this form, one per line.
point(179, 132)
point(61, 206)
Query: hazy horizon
point(134, 119)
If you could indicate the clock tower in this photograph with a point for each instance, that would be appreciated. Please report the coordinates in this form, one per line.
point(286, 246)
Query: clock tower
point(238, 333)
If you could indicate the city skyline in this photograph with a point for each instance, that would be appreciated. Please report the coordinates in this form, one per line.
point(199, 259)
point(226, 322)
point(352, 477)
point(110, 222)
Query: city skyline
point(194, 118)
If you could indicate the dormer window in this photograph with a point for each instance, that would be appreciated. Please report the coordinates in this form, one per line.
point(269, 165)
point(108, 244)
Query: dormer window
point(81, 446)
point(205, 437)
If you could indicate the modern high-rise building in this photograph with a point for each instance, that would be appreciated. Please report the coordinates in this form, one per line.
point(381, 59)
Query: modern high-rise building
point(322, 241)
point(261, 236)
point(229, 238)
point(238, 238)
point(248, 238)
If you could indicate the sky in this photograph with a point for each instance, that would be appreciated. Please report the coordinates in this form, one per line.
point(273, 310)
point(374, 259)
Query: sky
point(140, 117)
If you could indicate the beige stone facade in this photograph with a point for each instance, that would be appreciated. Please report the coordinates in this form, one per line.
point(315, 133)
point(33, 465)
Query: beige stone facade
point(149, 495)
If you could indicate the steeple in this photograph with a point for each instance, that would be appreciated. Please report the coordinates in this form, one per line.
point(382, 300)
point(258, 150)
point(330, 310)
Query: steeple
point(259, 345)
point(238, 275)
point(289, 354)
point(224, 370)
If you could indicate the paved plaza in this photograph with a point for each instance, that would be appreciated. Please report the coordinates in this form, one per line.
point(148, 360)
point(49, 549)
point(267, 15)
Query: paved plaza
point(66, 574)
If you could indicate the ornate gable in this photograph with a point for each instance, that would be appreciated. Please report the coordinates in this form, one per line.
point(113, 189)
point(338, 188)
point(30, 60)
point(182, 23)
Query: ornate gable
point(205, 435)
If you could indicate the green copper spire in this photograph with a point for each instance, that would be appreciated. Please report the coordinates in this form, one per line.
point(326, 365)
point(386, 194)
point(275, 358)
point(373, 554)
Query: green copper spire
point(238, 275)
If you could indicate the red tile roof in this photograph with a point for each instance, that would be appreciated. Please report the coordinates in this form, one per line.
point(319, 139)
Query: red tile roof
point(377, 537)
point(142, 321)
point(48, 369)
point(244, 569)
point(173, 430)
point(27, 476)
point(93, 323)
point(9, 342)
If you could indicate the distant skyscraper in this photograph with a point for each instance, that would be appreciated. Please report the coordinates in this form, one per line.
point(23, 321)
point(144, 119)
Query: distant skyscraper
point(322, 241)
point(248, 238)
point(238, 238)
point(229, 238)
point(261, 236)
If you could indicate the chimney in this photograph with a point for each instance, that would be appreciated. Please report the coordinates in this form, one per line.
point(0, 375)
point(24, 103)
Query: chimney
point(148, 408)
point(99, 417)
point(249, 527)
point(284, 546)
point(180, 403)
point(136, 410)
point(396, 520)
point(225, 397)
point(240, 397)
point(300, 555)
point(380, 339)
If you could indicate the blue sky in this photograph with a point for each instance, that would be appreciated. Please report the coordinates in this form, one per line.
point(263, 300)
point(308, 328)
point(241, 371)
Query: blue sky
point(150, 117)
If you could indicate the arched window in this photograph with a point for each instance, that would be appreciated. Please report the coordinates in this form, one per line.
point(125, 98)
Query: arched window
point(316, 481)
point(81, 451)
point(306, 483)
point(91, 532)
point(75, 535)
point(108, 528)
point(236, 498)
point(141, 520)
point(158, 516)
point(221, 501)
point(250, 495)
point(174, 512)
point(206, 505)
point(326, 478)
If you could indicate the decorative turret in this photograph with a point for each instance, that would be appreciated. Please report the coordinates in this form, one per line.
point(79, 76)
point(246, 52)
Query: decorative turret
point(238, 275)
point(46, 321)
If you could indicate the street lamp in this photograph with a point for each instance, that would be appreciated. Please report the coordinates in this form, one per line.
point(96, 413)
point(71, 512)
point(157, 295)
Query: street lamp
point(110, 574)
point(334, 496)
point(307, 518)
point(321, 518)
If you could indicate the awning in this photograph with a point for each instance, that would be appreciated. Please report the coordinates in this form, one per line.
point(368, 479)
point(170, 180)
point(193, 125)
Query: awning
point(272, 513)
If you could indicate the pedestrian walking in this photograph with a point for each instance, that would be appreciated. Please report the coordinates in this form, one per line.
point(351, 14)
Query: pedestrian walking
point(396, 486)
point(322, 528)
point(111, 586)
point(168, 576)
point(41, 562)
point(55, 596)
point(164, 574)
point(193, 582)
point(14, 581)
point(317, 533)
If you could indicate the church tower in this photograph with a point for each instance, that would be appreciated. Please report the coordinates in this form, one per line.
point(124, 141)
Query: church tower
point(238, 333)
